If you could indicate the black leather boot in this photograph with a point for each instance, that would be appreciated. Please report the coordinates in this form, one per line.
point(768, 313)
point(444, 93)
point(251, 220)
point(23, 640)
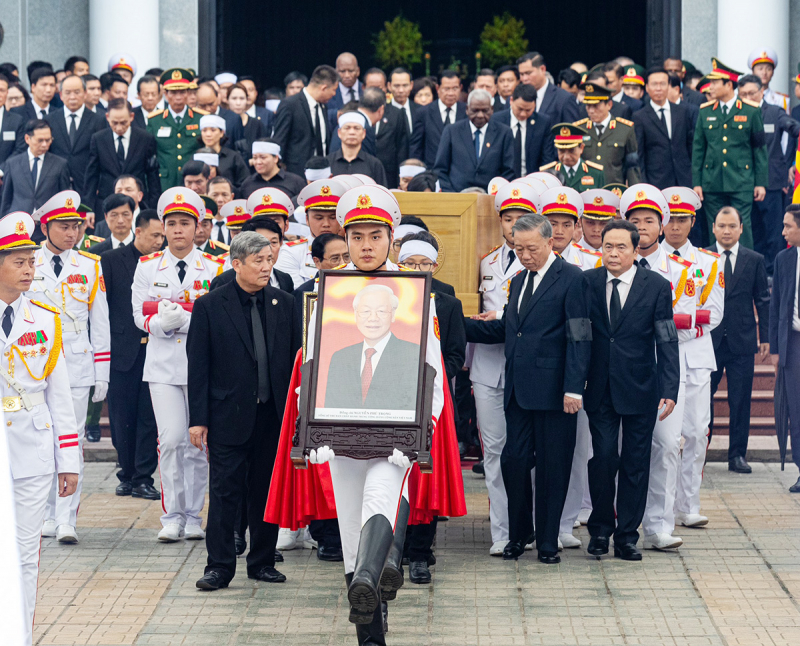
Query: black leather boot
point(393, 577)
point(372, 634)
point(373, 549)
point(356, 617)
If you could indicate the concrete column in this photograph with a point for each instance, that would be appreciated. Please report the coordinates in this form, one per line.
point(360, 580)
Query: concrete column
point(743, 26)
point(699, 32)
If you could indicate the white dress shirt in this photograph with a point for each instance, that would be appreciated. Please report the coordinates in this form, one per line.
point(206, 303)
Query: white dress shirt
point(523, 132)
point(540, 95)
point(14, 309)
point(49, 255)
point(728, 105)
point(180, 114)
point(667, 114)
point(345, 92)
point(406, 111)
point(623, 288)
point(30, 166)
point(443, 111)
point(734, 255)
point(796, 314)
point(39, 109)
point(617, 98)
point(603, 123)
point(537, 280)
point(312, 105)
point(473, 130)
point(115, 243)
point(78, 116)
point(126, 141)
point(379, 347)
point(251, 111)
point(2, 112)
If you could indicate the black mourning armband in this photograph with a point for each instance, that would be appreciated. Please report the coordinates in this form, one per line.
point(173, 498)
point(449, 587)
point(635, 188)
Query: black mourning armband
point(579, 330)
point(666, 332)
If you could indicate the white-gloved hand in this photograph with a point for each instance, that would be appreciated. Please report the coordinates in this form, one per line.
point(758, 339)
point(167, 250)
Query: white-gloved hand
point(173, 318)
point(163, 304)
point(399, 459)
point(100, 391)
point(322, 455)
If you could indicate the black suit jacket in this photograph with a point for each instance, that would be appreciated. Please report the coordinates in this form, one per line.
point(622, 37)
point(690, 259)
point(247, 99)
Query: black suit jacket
point(781, 305)
point(28, 112)
point(452, 334)
point(284, 280)
point(747, 287)
point(223, 373)
point(547, 345)
point(693, 97)
point(394, 380)
point(427, 131)
point(12, 123)
point(294, 132)
point(119, 266)
point(338, 101)
point(637, 360)
point(77, 155)
point(458, 167)
point(539, 148)
point(18, 193)
point(392, 143)
point(559, 105)
point(633, 104)
point(776, 122)
point(138, 117)
point(665, 161)
point(103, 166)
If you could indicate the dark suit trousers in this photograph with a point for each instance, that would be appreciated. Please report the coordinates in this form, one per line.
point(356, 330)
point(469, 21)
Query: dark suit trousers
point(633, 466)
point(544, 439)
point(326, 532)
point(133, 423)
point(231, 469)
point(419, 541)
point(740, 369)
point(792, 384)
point(767, 224)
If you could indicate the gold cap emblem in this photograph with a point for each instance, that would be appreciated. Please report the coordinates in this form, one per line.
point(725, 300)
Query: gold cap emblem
point(266, 200)
point(238, 210)
point(515, 193)
point(675, 198)
point(590, 88)
point(364, 202)
point(565, 132)
point(641, 195)
point(631, 72)
point(179, 198)
point(598, 200)
point(562, 198)
point(493, 189)
point(325, 190)
point(121, 61)
point(617, 191)
point(20, 229)
point(68, 204)
point(176, 75)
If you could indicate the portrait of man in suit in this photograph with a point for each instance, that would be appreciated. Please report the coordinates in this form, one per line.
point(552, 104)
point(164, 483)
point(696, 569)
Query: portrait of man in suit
point(380, 371)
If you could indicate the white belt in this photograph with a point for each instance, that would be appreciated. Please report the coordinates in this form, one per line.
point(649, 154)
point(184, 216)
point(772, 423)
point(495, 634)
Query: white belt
point(77, 326)
point(26, 401)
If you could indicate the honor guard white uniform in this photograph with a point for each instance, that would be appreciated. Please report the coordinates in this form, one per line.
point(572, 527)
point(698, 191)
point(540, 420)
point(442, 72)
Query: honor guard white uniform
point(770, 57)
point(659, 516)
point(235, 214)
point(39, 422)
point(487, 371)
point(171, 282)
point(709, 289)
point(72, 281)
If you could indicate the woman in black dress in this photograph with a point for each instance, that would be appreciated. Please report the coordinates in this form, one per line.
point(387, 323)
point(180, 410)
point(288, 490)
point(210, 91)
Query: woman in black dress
point(231, 164)
point(253, 128)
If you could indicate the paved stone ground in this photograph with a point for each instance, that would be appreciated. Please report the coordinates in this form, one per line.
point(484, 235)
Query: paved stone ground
point(735, 583)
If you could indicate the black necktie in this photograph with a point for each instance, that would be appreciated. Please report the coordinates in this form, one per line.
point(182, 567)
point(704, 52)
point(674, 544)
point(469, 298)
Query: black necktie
point(518, 150)
point(570, 173)
point(728, 271)
point(477, 144)
point(42, 114)
point(181, 270)
point(724, 110)
point(614, 308)
point(661, 114)
point(600, 129)
point(8, 322)
point(121, 244)
point(57, 266)
point(260, 346)
point(511, 258)
point(350, 95)
point(676, 253)
point(120, 151)
point(318, 131)
point(35, 171)
point(644, 264)
point(177, 120)
point(73, 129)
point(447, 121)
point(526, 295)
point(220, 234)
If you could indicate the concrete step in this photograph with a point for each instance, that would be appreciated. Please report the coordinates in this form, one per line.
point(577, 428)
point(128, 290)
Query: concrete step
point(763, 379)
point(758, 426)
point(761, 404)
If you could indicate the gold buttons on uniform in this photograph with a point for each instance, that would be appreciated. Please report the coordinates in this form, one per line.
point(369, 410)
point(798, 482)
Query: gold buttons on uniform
point(599, 144)
point(724, 163)
point(724, 139)
point(599, 157)
point(179, 340)
point(710, 127)
point(740, 127)
point(179, 145)
point(179, 157)
point(47, 425)
point(179, 135)
point(8, 423)
point(724, 151)
point(747, 166)
point(725, 125)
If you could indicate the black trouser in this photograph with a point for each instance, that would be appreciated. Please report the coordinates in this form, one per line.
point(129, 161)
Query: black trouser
point(326, 533)
point(767, 217)
point(740, 369)
point(633, 466)
point(464, 403)
point(130, 412)
point(419, 541)
point(231, 469)
point(544, 439)
point(792, 385)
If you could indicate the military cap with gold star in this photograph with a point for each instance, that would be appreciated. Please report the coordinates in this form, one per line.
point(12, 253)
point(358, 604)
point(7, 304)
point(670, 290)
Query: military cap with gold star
point(599, 204)
point(321, 195)
point(62, 206)
point(211, 207)
point(235, 213)
point(15, 232)
point(368, 204)
point(181, 200)
point(634, 75)
point(495, 184)
point(594, 93)
point(176, 78)
point(682, 201)
point(568, 135)
point(562, 200)
point(517, 195)
point(269, 201)
point(763, 55)
point(616, 189)
point(644, 196)
point(720, 71)
point(124, 62)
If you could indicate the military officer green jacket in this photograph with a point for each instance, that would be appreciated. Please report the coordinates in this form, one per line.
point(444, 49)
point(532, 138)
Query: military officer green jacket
point(176, 143)
point(589, 175)
point(615, 150)
point(215, 248)
point(88, 241)
point(729, 153)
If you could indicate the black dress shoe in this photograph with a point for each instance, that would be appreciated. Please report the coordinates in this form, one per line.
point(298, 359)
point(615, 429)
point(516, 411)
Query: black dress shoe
point(549, 559)
point(513, 550)
point(795, 488)
point(146, 491)
point(327, 553)
point(477, 468)
point(627, 552)
point(431, 559)
point(278, 556)
point(212, 580)
point(598, 545)
point(239, 543)
point(419, 573)
point(93, 433)
point(268, 574)
point(739, 465)
point(124, 489)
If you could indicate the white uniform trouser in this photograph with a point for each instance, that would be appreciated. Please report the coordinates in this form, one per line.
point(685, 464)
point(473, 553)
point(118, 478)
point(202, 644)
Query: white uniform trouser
point(182, 466)
point(659, 513)
point(363, 489)
point(578, 476)
point(696, 418)
point(65, 510)
point(30, 500)
point(492, 425)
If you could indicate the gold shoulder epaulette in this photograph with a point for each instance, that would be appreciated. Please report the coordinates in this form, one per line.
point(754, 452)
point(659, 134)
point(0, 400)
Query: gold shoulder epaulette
point(548, 166)
point(679, 260)
point(198, 111)
point(215, 259)
point(588, 251)
point(625, 121)
point(492, 251)
point(707, 104)
point(294, 243)
point(155, 254)
point(750, 103)
point(709, 252)
point(93, 256)
point(581, 122)
point(155, 113)
point(96, 238)
point(594, 165)
point(216, 243)
point(44, 306)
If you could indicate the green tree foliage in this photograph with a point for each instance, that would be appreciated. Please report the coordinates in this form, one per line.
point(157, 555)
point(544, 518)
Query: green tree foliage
point(399, 43)
point(503, 40)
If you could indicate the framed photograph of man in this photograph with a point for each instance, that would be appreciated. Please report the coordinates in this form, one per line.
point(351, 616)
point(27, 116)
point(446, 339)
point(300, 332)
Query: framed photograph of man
point(367, 389)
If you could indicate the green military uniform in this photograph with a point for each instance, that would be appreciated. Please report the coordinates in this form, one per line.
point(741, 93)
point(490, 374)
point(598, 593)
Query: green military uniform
point(176, 142)
point(589, 175)
point(568, 139)
point(729, 156)
point(87, 242)
point(215, 248)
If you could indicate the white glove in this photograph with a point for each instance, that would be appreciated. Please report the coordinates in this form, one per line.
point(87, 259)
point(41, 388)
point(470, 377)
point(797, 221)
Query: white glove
point(100, 391)
point(399, 459)
point(322, 455)
point(163, 304)
point(173, 318)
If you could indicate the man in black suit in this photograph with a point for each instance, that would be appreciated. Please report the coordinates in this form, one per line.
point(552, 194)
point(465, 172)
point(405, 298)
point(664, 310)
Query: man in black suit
point(476, 149)
point(302, 129)
point(634, 372)
point(247, 330)
point(533, 144)
point(43, 90)
point(73, 127)
point(664, 132)
point(551, 101)
point(33, 177)
point(12, 127)
point(130, 409)
point(349, 88)
point(392, 363)
point(391, 132)
point(121, 150)
point(148, 91)
point(431, 120)
point(400, 85)
point(784, 325)
point(547, 335)
point(735, 339)
point(614, 74)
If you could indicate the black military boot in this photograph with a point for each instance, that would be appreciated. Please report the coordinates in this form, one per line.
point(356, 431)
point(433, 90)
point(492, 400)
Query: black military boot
point(373, 549)
point(393, 577)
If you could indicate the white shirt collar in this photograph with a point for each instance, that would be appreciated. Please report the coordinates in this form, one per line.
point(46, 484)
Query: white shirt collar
point(657, 107)
point(48, 255)
point(180, 114)
point(472, 129)
point(734, 249)
point(78, 113)
point(126, 241)
point(514, 121)
point(603, 123)
point(443, 110)
point(14, 308)
point(31, 157)
point(550, 260)
point(626, 277)
point(585, 244)
point(683, 250)
point(312, 102)
point(344, 90)
point(379, 347)
point(251, 111)
point(728, 104)
point(618, 96)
